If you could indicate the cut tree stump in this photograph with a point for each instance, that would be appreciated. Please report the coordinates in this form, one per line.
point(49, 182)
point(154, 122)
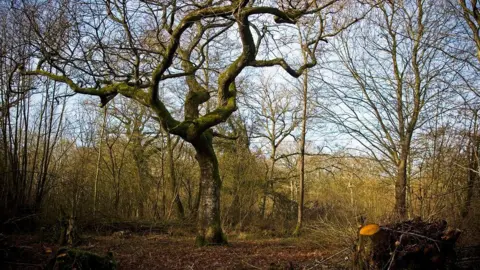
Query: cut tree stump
point(412, 244)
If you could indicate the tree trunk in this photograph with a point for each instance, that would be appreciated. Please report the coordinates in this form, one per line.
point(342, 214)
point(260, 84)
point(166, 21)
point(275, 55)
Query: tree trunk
point(401, 189)
point(173, 180)
point(143, 179)
point(472, 173)
point(301, 188)
point(99, 156)
point(269, 181)
point(209, 224)
point(196, 204)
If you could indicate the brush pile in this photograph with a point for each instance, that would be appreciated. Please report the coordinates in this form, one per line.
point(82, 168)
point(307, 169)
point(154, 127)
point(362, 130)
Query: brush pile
point(412, 244)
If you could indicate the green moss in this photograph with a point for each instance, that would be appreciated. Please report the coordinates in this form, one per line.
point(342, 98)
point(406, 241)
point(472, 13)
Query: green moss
point(296, 233)
point(224, 238)
point(200, 241)
point(212, 237)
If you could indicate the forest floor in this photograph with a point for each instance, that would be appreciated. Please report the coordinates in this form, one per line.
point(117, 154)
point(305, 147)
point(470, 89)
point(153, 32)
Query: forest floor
point(160, 251)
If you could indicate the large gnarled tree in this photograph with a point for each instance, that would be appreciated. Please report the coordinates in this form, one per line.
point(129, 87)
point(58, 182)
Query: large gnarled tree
point(135, 48)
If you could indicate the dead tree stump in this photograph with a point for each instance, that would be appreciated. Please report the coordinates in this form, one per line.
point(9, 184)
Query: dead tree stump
point(412, 244)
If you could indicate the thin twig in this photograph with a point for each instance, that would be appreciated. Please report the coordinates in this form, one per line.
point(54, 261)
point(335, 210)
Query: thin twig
point(394, 252)
point(415, 234)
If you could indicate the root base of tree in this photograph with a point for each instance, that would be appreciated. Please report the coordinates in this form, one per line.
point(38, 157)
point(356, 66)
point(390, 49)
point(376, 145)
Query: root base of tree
point(217, 239)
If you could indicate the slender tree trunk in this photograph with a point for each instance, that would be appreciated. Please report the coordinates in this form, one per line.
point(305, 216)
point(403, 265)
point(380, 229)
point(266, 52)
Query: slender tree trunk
point(162, 178)
point(269, 182)
point(472, 178)
point(301, 188)
point(264, 201)
point(401, 189)
point(473, 175)
point(173, 179)
point(143, 177)
point(156, 212)
point(163, 181)
point(97, 169)
point(209, 224)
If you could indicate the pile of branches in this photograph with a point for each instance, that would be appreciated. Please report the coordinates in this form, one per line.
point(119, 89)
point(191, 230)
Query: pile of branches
point(412, 244)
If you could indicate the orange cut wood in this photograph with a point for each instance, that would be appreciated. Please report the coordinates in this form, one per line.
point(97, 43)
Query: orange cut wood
point(369, 229)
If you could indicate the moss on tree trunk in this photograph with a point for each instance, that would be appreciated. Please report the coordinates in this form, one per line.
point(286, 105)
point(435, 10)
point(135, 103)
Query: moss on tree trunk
point(209, 224)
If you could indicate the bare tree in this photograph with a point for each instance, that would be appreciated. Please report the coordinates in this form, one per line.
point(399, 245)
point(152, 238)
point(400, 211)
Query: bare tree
point(470, 12)
point(277, 116)
point(141, 133)
point(392, 72)
point(307, 111)
point(31, 122)
point(102, 48)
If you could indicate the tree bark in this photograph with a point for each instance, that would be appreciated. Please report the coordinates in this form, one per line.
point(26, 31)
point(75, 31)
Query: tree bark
point(143, 176)
point(196, 204)
point(97, 169)
point(401, 189)
point(209, 224)
point(173, 180)
point(301, 188)
point(472, 175)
